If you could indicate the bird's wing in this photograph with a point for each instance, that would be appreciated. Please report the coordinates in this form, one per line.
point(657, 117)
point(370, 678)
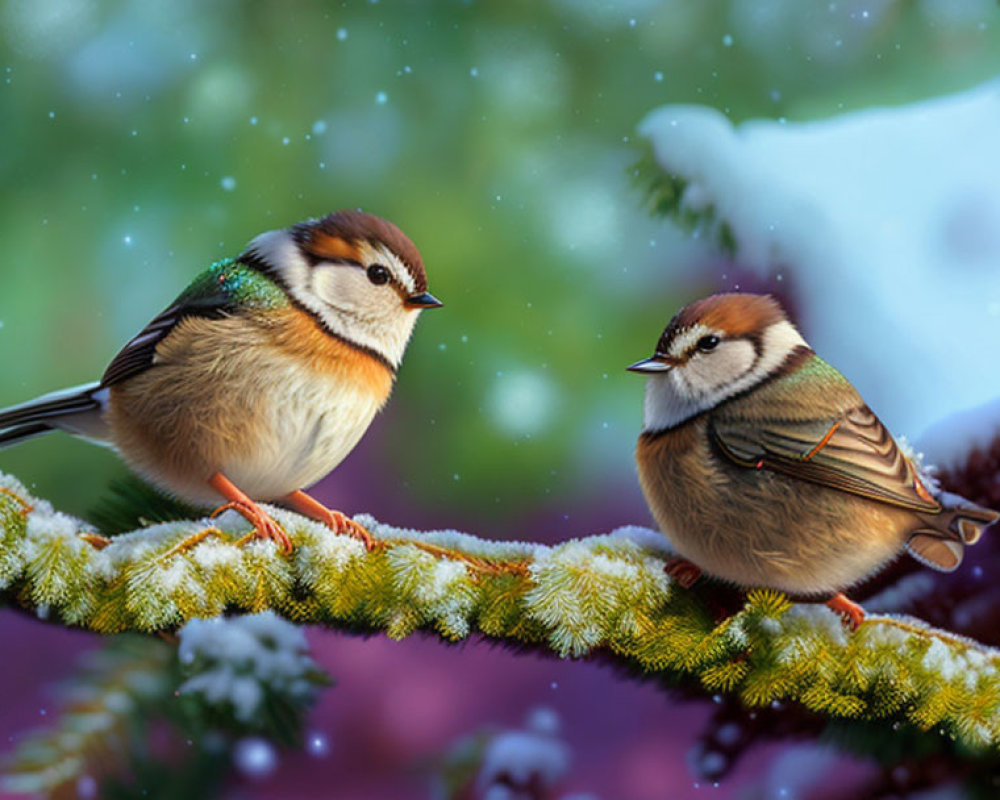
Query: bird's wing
point(853, 452)
point(207, 296)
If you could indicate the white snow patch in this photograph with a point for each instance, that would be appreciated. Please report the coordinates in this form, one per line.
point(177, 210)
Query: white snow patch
point(926, 471)
point(533, 758)
point(890, 635)
point(625, 539)
point(771, 625)
point(48, 531)
point(213, 554)
point(814, 619)
point(240, 659)
point(171, 576)
point(889, 219)
point(939, 658)
point(318, 550)
point(645, 538)
point(46, 524)
point(580, 554)
point(580, 588)
point(12, 484)
point(737, 633)
point(449, 539)
point(446, 574)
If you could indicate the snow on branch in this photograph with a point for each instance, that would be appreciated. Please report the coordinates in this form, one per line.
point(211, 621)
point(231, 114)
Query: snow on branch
point(238, 685)
point(605, 594)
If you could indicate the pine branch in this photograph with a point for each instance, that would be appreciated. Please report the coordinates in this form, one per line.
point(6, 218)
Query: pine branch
point(606, 595)
point(667, 194)
point(132, 713)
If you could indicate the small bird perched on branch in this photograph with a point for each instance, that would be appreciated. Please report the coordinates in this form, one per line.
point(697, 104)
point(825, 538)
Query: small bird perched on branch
point(765, 468)
point(261, 376)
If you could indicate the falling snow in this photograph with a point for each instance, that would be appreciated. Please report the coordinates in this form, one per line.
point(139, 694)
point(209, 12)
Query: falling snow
point(255, 757)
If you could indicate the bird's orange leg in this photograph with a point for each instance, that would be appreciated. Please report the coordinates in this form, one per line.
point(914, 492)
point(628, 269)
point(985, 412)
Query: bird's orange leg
point(852, 613)
point(264, 526)
point(683, 572)
point(339, 522)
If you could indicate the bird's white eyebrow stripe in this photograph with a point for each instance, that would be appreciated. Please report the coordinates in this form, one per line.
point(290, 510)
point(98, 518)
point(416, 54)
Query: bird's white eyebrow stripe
point(398, 269)
point(687, 339)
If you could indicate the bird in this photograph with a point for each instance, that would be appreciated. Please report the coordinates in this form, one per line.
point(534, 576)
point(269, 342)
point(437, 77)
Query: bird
point(261, 376)
point(765, 468)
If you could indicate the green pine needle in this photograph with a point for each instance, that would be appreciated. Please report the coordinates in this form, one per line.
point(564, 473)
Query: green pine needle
point(601, 594)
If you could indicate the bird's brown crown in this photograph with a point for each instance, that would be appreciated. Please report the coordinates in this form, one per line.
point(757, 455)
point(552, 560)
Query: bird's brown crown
point(337, 236)
point(735, 313)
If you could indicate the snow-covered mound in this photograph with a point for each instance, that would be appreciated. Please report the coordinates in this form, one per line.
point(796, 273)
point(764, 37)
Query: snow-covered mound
point(887, 219)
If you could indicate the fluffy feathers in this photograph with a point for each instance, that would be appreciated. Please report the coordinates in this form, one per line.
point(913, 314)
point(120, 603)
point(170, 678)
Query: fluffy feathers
point(765, 468)
point(263, 374)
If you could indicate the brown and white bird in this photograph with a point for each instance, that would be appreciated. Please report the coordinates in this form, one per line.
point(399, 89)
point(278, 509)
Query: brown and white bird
point(263, 374)
point(765, 468)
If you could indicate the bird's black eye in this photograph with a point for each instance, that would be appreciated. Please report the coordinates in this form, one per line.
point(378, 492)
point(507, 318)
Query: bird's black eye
point(378, 274)
point(708, 343)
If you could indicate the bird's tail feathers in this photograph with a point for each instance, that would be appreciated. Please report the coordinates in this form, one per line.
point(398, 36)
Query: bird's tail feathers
point(941, 544)
point(22, 433)
point(76, 410)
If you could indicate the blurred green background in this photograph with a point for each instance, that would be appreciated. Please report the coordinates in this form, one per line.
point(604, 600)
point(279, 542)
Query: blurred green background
point(139, 141)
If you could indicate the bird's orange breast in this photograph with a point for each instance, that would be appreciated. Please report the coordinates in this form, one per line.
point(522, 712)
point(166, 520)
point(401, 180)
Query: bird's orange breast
point(298, 335)
point(269, 398)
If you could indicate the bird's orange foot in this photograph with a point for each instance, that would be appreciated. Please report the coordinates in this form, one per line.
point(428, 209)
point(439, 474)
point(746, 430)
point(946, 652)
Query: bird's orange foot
point(339, 522)
point(852, 614)
point(95, 540)
point(264, 526)
point(343, 524)
point(683, 572)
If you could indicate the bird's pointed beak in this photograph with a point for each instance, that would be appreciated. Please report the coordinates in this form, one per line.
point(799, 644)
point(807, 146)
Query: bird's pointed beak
point(425, 300)
point(658, 363)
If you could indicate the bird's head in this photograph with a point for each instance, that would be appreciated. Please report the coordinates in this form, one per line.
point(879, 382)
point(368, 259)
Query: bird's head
point(359, 275)
point(711, 350)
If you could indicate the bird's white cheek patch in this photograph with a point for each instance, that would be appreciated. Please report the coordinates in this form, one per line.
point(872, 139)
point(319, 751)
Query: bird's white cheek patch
point(711, 373)
point(709, 378)
point(340, 286)
point(778, 342)
point(360, 311)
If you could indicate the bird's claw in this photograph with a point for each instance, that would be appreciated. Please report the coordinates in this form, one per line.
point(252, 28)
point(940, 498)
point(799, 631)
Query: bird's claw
point(264, 526)
point(95, 540)
point(683, 572)
point(852, 614)
point(342, 524)
point(337, 521)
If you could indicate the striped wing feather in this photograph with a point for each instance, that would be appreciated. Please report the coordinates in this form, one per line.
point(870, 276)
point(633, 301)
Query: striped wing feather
point(138, 355)
point(854, 453)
